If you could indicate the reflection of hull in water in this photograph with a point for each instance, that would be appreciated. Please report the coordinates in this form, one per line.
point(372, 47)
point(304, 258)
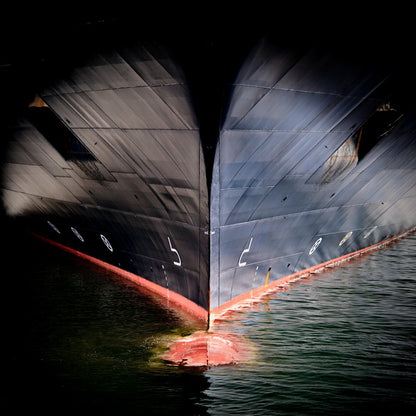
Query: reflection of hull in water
point(315, 160)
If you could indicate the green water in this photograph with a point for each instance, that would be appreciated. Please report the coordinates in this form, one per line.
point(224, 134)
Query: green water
point(78, 339)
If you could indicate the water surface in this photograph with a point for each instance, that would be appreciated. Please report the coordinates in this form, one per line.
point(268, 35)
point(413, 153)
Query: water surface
point(77, 338)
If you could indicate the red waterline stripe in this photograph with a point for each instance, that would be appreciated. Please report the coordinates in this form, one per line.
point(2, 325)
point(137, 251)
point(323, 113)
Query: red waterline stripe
point(196, 311)
point(255, 294)
point(173, 299)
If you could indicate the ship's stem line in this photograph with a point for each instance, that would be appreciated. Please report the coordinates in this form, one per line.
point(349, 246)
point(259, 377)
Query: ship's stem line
point(175, 301)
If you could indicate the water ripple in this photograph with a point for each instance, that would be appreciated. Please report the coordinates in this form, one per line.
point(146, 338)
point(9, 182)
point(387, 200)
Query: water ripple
point(339, 343)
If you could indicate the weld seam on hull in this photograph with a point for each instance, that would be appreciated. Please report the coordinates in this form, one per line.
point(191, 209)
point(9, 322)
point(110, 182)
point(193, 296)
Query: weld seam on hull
point(171, 298)
point(256, 294)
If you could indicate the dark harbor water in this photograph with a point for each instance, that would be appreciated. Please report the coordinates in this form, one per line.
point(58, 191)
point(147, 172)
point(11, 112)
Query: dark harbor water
point(76, 340)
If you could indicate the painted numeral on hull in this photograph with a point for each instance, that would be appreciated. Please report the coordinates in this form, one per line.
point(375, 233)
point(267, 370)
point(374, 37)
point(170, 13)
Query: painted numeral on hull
point(179, 262)
point(246, 250)
point(315, 246)
point(106, 242)
point(347, 236)
point(78, 235)
point(53, 227)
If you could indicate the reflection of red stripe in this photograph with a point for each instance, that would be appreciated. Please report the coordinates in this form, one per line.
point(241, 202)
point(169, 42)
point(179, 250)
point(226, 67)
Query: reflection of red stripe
point(166, 297)
point(255, 294)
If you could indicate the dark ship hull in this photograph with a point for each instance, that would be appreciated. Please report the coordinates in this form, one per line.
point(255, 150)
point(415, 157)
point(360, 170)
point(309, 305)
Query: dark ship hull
point(314, 160)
